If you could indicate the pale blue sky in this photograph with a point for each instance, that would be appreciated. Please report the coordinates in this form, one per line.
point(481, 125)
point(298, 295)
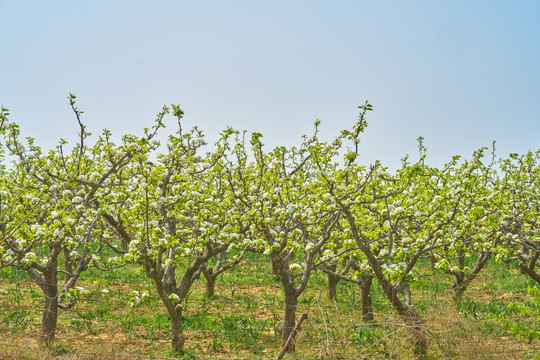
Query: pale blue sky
point(458, 73)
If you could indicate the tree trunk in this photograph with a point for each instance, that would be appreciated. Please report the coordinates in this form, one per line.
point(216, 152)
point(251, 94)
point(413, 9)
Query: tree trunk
point(461, 282)
point(210, 287)
point(175, 313)
point(50, 312)
point(289, 321)
point(459, 276)
point(275, 268)
point(169, 279)
point(291, 293)
point(416, 325)
point(210, 277)
point(459, 286)
point(169, 274)
point(534, 275)
point(331, 289)
point(529, 268)
point(365, 291)
point(178, 339)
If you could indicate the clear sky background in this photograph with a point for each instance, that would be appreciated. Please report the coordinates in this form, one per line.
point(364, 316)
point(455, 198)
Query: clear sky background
point(459, 73)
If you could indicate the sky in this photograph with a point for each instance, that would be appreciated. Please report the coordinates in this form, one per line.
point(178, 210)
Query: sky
point(461, 74)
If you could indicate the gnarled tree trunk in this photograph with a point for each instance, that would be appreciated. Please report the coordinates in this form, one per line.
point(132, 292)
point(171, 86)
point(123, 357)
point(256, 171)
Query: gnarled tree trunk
point(47, 279)
point(289, 319)
point(365, 293)
point(50, 313)
point(461, 282)
point(275, 269)
point(210, 281)
point(175, 312)
point(177, 332)
point(530, 266)
point(415, 324)
point(331, 289)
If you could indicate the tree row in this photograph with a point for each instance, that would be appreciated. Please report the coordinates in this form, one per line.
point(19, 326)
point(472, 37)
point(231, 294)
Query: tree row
point(181, 210)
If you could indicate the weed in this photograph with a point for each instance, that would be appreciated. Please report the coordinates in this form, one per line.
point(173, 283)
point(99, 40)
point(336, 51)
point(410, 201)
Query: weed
point(17, 320)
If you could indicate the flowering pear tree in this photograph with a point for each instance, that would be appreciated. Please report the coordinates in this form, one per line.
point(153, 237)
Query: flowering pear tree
point(475, 229)
point(394, 219)
point(520, 188)
point(390, 238)
point(60, 218)
point(290, 220)
point(179, 217)
point(47, 220)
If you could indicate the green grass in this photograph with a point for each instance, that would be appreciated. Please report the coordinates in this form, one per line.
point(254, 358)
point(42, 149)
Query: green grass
point(500, 310)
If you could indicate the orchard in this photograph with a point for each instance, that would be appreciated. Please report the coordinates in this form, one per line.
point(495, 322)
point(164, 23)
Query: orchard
point(172, 228)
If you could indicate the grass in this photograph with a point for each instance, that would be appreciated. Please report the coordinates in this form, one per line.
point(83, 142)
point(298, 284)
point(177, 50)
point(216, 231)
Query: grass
point(497, 319)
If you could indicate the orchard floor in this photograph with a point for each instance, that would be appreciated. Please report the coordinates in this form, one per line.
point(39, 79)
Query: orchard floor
point(499, 318)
